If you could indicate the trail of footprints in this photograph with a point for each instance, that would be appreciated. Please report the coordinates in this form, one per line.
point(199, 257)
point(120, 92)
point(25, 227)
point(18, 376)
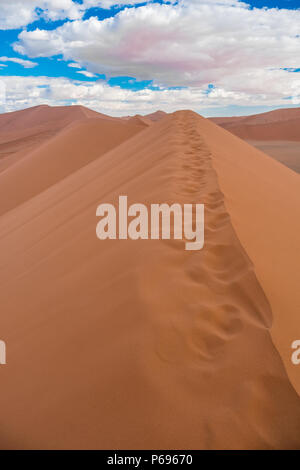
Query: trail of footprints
point(222, 269)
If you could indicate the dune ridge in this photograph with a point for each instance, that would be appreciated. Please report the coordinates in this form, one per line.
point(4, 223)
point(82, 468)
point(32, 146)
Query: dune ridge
point(58, 116)
point(23, 131)
point(280, 124)
point(75, 146)
point(276, 133)
point(139, 344)
point(263, 199)
point(283, 130)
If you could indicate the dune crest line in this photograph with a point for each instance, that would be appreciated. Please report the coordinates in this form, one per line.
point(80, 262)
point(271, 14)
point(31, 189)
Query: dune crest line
point(135, 344)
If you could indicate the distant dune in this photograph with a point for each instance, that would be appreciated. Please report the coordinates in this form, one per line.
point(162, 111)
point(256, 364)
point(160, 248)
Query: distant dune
point(75, 146)
point(22, 131)
point(284, 151)
point(277, 133)
point(148, 118)
point(123, 344)
point(157, 116)
point(281, 124)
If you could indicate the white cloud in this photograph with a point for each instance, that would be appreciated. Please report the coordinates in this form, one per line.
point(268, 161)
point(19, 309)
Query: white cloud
point(74, 65)
point(22, 92)
point(189, 43)
point(192, 43)
point(107, 4)
point(28, 64)
point(86, 74)
point(19, 13)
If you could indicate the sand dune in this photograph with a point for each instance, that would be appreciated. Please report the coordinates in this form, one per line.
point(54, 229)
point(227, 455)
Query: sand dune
point(148, 118)
point(141, 344)
point(272, 117)
point(58, 116)
point(263, 199)
point(276, 133)
point(15, 145)
point(140, 121)
point(23, 131)
point(286, 130)
point(75, 146)
point(284, 151)
point(157, 116)
point(281, 124)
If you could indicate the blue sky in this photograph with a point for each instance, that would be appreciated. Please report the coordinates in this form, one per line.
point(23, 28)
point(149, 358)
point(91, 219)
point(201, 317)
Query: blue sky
point(289, 4)
point(243, 63)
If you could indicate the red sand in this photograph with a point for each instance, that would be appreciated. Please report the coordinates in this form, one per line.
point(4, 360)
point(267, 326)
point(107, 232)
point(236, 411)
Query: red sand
point(157, 116)
point(141, 344)
point(22, 131)
point(284, 151)
point(281, 124)
point(75, 146)
point(276, 133)
point(263, 199)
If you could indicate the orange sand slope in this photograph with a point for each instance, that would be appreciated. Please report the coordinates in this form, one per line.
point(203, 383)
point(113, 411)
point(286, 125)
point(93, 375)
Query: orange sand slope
point(276, 133)
point(75, 146)
point(281, 124)
point(284, 151)
point(157, 116)
point(22, 131)
point(263, 199)
point(141, 344)
point(39, 115)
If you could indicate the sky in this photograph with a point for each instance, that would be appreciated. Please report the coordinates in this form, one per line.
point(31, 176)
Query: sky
point(216, 57)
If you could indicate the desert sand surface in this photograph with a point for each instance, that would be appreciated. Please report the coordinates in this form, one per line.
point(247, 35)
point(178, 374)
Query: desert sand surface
point(276, 133)
point(24, 130)
point(284, 151)
point(157, 116)
point(148, 118)
point(263, 199)
point(123, 344)
point(280, 124)
point(57, 116)
point(75, 146)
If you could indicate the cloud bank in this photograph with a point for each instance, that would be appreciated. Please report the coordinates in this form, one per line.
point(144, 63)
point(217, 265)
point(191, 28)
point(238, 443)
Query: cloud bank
point(16, 14)
point(28, 64)
point(192, 43)
point(217, 52)
point(23, 92)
